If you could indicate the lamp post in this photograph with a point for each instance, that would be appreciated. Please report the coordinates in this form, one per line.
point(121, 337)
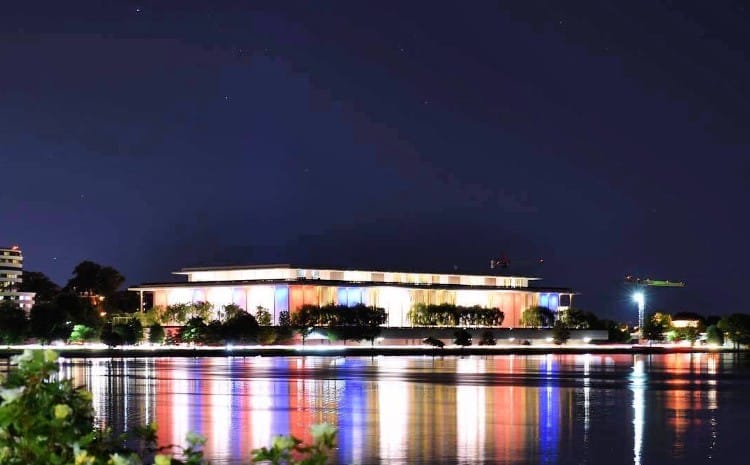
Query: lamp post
point(640, 299)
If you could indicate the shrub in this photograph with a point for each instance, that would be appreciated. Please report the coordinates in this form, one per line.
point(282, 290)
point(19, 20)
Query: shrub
point(488, 339)
point(213, 333)
point(560, 333)
point(462, 338)
point(82, 333)
point(130, 332)
point(242, 328)
point(156, 334)
point(289, 450)
point(434, 342)
point(43, 420)
point(111, 337)
point(266, 335)
point(194, 330)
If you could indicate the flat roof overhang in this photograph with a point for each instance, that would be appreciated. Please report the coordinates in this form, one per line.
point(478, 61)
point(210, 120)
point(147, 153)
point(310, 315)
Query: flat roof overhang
point(186, 271)
point(322, 282)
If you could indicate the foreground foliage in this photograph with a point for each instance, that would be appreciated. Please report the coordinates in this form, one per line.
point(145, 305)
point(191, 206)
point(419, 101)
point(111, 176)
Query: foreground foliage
point(48, 421)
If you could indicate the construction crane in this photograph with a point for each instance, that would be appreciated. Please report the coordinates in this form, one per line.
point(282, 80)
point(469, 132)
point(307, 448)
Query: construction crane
point(640, 298)
point(504, 262)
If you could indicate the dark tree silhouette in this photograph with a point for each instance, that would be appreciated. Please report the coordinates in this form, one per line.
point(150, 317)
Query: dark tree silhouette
point(93, 279)
point(45, 289)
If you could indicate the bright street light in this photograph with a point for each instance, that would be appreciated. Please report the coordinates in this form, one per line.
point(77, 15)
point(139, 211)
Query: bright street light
point(640, 299)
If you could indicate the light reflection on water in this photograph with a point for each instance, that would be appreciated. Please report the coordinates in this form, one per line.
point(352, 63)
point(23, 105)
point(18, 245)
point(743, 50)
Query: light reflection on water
point(548, 409)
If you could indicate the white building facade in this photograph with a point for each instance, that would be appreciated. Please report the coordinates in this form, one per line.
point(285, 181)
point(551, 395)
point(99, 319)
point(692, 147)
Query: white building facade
point(11, 271)
point(285, 288)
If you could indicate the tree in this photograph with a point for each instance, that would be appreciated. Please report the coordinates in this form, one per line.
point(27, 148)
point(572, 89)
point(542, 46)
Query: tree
point(13, 323)
point(214, 333)
point(202, 310)
point(737, 328)
point(560, 333)
point(122, 302)
point(285, 320)
point(181, 313)
point(575, 318)
point(39, 283)
point(536, 317)
point(79, 311)
point(177, 313)
point(241, 328)
point(131, 332)
point(342, 322)
point(48, 322)
point(452, 315)
point(714, 335)
point(656, 325)
point(304, 319)
point(108, 280)
point(263, 316)
point(616, 332)
point(85, 278)
point(688, 333)
point(232, 310)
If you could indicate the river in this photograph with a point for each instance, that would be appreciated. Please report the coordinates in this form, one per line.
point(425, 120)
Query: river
point(509, 409)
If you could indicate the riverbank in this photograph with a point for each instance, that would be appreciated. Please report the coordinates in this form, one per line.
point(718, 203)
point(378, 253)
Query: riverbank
point(97, 351)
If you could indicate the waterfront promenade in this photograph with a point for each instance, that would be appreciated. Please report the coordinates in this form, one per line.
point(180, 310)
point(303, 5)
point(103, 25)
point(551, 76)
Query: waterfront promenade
point(100, 350)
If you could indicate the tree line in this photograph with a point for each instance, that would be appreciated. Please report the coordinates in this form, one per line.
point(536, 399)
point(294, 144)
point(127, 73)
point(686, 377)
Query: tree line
point(78, 309)
point(660, 326)
point(454, 315)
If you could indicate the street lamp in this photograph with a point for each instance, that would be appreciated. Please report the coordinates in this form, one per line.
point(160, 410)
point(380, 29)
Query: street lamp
point(640, 299)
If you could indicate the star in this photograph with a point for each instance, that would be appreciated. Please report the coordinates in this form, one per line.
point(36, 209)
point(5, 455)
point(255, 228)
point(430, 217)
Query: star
point(138, 10)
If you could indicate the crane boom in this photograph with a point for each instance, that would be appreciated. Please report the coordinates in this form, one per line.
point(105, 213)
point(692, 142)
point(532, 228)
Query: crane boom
point(660, 283)
point(640, 298)
point(653, 282)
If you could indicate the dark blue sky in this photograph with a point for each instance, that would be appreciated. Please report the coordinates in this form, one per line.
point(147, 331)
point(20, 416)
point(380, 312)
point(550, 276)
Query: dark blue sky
point(609, 138)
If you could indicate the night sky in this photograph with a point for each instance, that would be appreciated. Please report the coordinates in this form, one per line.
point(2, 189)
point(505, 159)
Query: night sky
point(609, 138)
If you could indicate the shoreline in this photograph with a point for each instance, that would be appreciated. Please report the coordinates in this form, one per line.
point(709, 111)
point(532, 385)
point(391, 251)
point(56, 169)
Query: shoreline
point(354, 351)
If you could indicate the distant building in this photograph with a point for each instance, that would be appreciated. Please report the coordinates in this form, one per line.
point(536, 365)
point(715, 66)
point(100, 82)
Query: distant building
point(11, 270)
point(686, 320)
point(284, 288)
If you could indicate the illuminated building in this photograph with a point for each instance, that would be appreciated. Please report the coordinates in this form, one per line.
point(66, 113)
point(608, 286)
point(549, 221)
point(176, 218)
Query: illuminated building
point(11, 269)
point(285, 288)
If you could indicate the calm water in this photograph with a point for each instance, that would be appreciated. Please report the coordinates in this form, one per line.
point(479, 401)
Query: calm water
point(554, 409)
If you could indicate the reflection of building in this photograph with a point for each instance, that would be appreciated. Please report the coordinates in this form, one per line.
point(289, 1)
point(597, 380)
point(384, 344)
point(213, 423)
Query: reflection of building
point(11, 269)
point(281, 288)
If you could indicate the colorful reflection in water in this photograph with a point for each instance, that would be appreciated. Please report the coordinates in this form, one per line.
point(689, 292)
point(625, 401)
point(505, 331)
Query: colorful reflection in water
point(506, 409)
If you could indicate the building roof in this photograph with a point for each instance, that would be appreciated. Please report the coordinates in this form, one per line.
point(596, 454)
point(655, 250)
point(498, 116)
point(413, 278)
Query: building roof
point(324, 282)
point(189, 270)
